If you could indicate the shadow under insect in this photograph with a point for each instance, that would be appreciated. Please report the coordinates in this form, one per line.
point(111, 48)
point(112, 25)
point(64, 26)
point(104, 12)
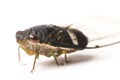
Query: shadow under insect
point(72, 59)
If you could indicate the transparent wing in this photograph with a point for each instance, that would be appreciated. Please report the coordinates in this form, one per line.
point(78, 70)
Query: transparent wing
point(99, 30)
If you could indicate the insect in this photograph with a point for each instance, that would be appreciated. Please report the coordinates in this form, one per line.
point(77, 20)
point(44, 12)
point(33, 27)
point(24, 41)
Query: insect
point(51, 40)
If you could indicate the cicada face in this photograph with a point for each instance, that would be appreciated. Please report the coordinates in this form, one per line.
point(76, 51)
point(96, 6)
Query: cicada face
point(21, 37)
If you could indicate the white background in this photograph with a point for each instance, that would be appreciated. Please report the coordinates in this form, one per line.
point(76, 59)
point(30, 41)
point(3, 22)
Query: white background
point(98, 64)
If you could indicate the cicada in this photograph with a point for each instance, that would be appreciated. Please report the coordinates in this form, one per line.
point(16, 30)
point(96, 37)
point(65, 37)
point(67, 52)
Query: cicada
point(52, 40)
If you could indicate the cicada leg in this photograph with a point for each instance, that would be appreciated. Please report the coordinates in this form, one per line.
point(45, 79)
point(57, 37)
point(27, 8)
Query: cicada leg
point(19, 54)
point(55, 59)
point(19, 58)
point(36, 56)
point(60, 51)
point(64, 52)
point(51, 53)
point(66, 58)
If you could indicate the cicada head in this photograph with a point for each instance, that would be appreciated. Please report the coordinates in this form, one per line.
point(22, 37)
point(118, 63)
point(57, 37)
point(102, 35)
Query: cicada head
point(21, 37)
point(26, 37)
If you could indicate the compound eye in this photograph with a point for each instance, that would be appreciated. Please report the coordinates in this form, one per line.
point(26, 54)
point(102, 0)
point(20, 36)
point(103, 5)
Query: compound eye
point(33, 38)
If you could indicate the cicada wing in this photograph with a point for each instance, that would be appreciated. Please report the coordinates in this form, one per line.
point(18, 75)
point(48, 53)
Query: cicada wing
point(99, 30)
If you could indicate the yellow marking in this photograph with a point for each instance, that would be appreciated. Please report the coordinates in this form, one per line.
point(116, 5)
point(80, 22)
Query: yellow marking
point(29, 52)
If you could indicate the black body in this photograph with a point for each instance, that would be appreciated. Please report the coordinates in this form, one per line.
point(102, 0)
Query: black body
point(56, 36)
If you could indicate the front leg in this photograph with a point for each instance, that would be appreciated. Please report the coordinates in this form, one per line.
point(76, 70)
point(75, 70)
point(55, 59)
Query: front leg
point(36, 56)
point(35, 48)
